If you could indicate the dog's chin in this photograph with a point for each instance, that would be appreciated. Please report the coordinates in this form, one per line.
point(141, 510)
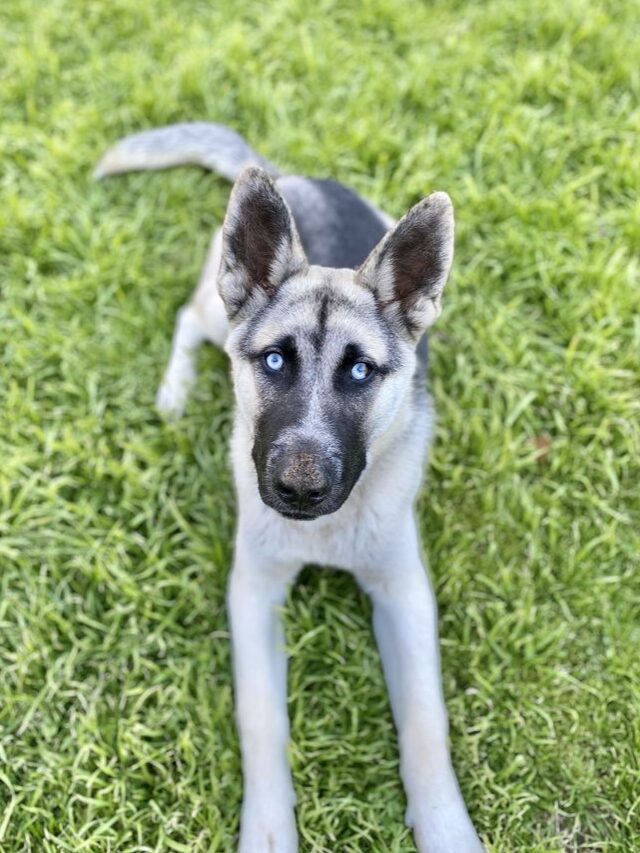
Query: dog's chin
point(301, 515)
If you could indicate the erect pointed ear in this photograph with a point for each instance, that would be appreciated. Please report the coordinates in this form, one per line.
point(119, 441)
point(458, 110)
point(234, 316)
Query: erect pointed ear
point(260, 244)
point(408, 269)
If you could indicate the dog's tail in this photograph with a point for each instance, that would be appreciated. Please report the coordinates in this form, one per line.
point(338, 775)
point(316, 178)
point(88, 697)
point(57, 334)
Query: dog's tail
point(212, 146)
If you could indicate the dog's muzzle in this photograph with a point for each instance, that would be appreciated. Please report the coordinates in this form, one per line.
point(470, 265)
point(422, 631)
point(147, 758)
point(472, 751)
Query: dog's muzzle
point(301, 482)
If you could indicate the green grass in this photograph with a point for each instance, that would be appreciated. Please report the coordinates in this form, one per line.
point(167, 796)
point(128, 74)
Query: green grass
point(116, 722)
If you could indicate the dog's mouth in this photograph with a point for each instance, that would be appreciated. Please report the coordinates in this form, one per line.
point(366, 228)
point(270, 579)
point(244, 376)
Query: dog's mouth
point(301, 513)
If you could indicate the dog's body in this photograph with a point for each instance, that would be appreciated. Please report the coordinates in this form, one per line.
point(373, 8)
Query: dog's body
point(321, 303)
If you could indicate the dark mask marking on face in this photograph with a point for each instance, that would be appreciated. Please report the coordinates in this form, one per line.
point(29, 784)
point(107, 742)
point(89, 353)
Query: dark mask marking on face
point(339, 451)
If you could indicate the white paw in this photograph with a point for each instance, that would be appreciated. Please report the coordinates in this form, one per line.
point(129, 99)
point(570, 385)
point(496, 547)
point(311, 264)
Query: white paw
point(444, 830)
point(268, 830)
point(171, 399)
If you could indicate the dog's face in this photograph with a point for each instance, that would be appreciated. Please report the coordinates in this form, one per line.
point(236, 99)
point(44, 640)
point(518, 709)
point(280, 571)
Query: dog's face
point(323, 359)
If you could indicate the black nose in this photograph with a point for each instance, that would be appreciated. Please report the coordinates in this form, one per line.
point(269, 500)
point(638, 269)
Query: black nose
point(302, 480)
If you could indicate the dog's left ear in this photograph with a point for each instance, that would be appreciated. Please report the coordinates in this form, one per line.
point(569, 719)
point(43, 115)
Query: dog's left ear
point(260, 244)
point(408, 269)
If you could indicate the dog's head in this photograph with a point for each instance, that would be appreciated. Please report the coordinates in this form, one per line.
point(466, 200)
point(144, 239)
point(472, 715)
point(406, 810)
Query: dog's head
point(323, 359)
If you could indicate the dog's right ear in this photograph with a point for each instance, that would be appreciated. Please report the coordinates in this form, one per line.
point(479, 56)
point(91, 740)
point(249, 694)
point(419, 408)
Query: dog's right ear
point(408, 269)
point(260, 245)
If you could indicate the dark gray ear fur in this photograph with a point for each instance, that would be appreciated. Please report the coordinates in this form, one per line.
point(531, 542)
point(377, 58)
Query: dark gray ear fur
point(260, 244)
point(408, 269)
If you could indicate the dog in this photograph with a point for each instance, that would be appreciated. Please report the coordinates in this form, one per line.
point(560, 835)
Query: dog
point(322, 302)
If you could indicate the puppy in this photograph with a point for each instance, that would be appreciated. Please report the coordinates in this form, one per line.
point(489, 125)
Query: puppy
point(322, 303)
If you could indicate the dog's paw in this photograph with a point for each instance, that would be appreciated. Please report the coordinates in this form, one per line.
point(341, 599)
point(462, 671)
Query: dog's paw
point(268, 831)
point(171, 399)
point(442, 830)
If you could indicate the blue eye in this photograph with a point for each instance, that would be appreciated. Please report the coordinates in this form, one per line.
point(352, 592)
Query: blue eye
point(360, 371)
point(274, 361)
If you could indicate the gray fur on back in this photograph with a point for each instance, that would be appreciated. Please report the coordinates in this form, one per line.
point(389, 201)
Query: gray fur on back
point(337, 228)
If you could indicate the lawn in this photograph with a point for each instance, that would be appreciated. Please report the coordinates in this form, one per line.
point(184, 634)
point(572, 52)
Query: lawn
point(116, 720)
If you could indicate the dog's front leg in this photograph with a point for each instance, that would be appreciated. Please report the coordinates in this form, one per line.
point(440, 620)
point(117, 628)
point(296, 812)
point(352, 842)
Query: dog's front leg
point(405, 624)
point(256, 591)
